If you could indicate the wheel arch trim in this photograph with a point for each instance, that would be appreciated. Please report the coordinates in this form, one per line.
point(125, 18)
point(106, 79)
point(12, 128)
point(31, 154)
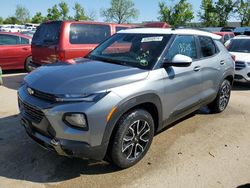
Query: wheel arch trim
point(126, 105)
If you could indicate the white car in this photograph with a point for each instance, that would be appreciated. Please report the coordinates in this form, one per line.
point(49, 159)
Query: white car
point(12, 28)
point(240, 48)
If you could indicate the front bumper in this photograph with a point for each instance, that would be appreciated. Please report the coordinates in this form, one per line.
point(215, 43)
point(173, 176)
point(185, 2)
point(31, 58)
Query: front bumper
point(242, 75)
point(44, 123)
point(64, 147)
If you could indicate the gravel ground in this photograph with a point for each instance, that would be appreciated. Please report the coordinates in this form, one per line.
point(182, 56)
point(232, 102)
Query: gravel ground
point(202, 150)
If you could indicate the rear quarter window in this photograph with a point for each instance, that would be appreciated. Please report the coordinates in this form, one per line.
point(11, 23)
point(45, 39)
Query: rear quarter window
point(88, 33)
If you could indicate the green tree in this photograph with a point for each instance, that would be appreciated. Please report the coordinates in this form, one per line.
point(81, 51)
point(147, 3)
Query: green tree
point(91, 15)
point(70, 17)
point(53, 13)
point(22, 14)
point(79, 12)
point(243, 12)
point(121, 11)
point(207, 13)
point(37, 18)
point(178, 15)
point(224, 9)
point(11, 20)
point(64, 10)
point(1, 20)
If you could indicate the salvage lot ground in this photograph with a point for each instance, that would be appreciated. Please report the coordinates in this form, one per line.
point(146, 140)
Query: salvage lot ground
point(203, 150)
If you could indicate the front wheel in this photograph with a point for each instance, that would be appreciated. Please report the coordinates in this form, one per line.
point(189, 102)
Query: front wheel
point(222, 99)
point(132, 138)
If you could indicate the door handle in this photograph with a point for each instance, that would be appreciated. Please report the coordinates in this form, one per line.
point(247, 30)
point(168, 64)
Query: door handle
point(222, 62)
point(197, 68)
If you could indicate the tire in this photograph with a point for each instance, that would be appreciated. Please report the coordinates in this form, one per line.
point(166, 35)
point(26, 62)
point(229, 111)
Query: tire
point(132, 138)
point(27, 64)
point(221, 101)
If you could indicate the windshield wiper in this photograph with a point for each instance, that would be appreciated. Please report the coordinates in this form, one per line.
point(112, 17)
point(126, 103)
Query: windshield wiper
point(108, 60)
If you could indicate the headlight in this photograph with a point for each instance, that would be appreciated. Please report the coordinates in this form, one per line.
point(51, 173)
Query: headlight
point(76, 120)
point(81, 97)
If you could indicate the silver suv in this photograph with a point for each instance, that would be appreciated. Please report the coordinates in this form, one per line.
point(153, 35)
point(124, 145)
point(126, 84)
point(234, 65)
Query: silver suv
point(110, 104)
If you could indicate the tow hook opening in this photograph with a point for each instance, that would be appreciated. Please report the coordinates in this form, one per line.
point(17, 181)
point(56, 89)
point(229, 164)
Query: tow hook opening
point(54, 142)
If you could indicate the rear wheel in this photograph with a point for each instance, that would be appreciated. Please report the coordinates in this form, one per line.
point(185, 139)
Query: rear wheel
point(27, 64)
point(222, 99)
point(132, 139)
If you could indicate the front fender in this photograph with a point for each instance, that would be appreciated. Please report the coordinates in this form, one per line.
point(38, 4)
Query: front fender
point(128, 104)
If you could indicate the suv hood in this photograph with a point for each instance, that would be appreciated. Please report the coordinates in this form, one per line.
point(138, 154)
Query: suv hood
point(86, 76)
point(241, 56)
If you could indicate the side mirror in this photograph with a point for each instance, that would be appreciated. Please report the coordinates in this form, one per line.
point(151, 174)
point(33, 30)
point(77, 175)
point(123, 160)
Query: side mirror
point(178, 60)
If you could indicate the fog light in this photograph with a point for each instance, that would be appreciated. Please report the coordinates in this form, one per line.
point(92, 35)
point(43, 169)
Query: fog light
point(77, 120)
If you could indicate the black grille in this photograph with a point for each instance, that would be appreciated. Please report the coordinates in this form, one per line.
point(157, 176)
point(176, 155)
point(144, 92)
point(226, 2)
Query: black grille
point(32, 112)
point(238, 77)
point(239, 65)
point(44, 96)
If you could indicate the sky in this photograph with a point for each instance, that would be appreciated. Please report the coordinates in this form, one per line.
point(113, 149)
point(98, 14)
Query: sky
point(148, 8)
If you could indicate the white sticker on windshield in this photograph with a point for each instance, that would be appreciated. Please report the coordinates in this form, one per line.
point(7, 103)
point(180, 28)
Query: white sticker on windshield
point(152, 39)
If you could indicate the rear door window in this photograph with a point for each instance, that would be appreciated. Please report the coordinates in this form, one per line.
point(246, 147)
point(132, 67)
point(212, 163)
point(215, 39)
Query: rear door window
point(208, 47)
point(24, 41)
point(9, 40)
point(47, 33)
point(88, 33)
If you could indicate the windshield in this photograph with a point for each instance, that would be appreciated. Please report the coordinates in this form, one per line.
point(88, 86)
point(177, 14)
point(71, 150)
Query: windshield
point(136, 50)
point(47, 33)
point(240, 45)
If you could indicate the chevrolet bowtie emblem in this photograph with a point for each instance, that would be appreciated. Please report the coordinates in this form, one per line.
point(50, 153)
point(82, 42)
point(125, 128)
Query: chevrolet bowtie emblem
point(30, 91)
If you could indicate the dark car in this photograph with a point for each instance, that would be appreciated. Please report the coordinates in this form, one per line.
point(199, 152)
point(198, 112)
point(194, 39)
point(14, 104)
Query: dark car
point(242, 31)
point(227, 29)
